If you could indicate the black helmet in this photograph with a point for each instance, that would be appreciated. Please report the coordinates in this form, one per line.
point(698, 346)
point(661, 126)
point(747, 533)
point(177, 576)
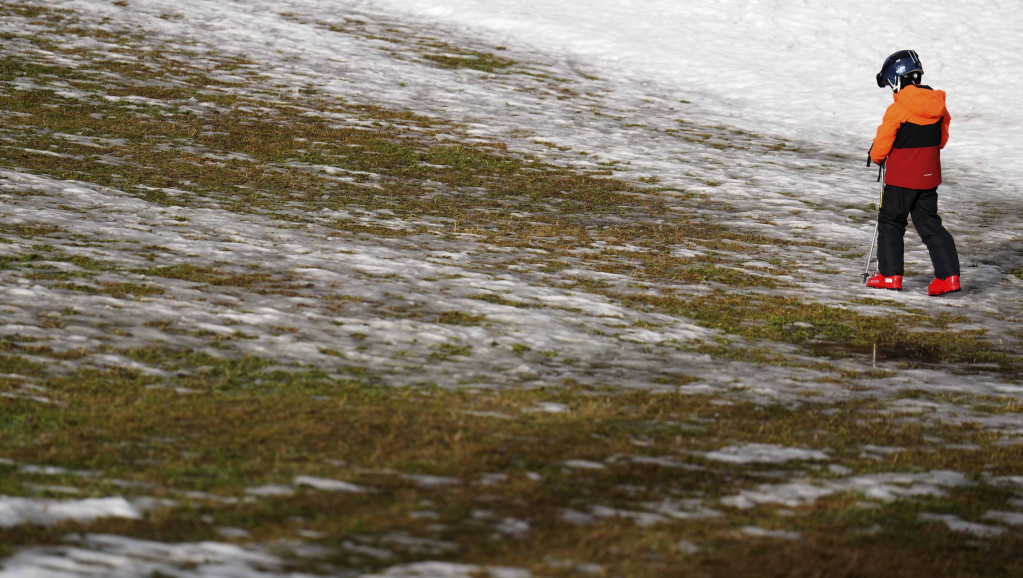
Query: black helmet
point(901, 64)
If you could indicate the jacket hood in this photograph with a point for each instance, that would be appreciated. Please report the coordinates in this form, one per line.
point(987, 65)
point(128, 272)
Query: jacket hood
point(922, 102)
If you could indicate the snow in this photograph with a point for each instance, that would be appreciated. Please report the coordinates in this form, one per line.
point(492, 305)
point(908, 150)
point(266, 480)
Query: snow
point(584, 465)
point(270, 490)
point(644, 66)
point(111, 556)
point(753, 72)
point(1010, 518)
point(957, 524)
point(764, 533)
point(17, 511)
point(449, 570)
point(328, 485)
point(877, 487)
point(763, 454)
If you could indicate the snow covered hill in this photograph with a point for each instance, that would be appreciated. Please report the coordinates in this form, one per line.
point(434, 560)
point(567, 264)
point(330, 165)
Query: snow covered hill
point(518, 208)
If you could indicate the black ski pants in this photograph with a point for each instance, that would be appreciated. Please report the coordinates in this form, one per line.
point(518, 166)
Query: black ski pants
point(896, 204)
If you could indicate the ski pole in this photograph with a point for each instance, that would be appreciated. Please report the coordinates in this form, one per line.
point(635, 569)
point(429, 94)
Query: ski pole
point(873, 239)
point(870, 253)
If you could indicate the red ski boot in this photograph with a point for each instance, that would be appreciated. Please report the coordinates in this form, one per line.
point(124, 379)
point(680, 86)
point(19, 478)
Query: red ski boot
point(879, 281)
point(943, 286)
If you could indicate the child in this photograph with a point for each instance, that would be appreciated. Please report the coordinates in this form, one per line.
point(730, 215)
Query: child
point(908, 144)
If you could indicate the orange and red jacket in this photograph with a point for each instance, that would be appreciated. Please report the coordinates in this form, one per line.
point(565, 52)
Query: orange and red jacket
point(914, 130)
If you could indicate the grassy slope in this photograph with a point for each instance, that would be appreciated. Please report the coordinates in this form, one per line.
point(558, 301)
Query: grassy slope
point(246, 421)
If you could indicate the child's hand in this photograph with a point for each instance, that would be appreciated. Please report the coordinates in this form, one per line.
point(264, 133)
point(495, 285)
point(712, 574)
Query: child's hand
point(871, 160)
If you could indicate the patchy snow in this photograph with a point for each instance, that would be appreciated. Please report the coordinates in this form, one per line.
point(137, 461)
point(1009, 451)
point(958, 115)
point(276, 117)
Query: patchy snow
point(270, 490)
point(880, 487)
point(449, 570)
point(683, 510)
point(763, 454)
point(428, 481)
point(328, 485)
point(759, 532)
point(549, 407)
point(791, 123)
point(788, 494)
point(957, 524)
point(1009, 518)
point(17, 511)
point(641, 519)
point(637, 70)
point(584, 465)
point(110, 556)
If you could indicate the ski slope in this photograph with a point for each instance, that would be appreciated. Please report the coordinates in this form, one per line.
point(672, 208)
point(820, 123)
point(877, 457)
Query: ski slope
point(761, 76)
point(798, 70)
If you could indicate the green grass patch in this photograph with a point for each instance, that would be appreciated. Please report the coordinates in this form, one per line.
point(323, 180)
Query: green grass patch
point(482, 61)
point(914, 340)
point(285, 162)
point(247, 423)
point(460, 318)
point(207, 275)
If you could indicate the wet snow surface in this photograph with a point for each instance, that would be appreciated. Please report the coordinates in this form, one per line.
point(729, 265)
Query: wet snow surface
point(761, 74)
point(814, 196)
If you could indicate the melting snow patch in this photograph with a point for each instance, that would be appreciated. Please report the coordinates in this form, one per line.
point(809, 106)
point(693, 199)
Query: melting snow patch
point(878, 452)
point(270, 490)
point(53, 489)
point(763, 454)
point(427, 481)
point(28, 393)
point(231, 532)
point(119, 361)
point(642, 519)
point(494, 414)
point(549, 407)
point(791, 495)
point(883, 487)
point(663, 461)
point(16, 511)
point(419, 546)
point(957, 524)
point(120, 557)
point(328, 485)
point(492, 479)
point(576, 518)
point(685, 253)
point(1010, 518)
point(762, 533)
point(584, 465)
point(685, 510)
point(449, 570)
point(888, 487)
point(513, 527)
point(687, 547)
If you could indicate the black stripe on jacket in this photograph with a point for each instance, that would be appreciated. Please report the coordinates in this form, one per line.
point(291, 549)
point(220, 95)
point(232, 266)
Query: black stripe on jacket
point(918, 136)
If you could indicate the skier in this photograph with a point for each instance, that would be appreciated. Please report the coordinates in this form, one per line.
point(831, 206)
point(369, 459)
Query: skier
point(908, 144)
